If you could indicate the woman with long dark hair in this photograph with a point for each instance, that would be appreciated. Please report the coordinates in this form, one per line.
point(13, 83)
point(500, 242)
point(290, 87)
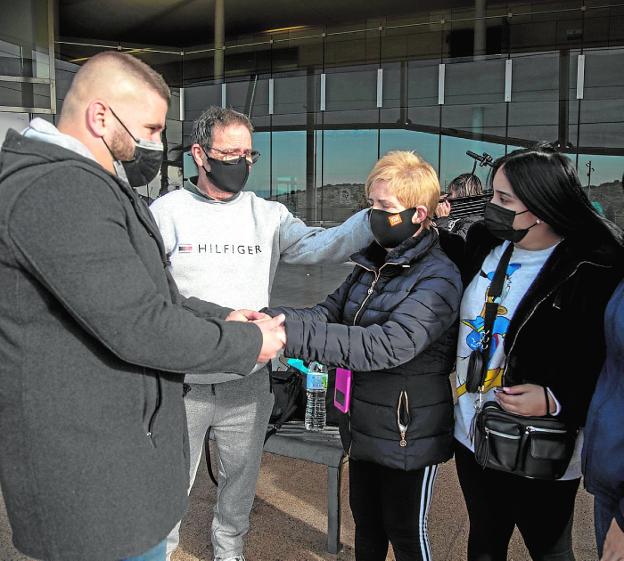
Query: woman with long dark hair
point(547, 342)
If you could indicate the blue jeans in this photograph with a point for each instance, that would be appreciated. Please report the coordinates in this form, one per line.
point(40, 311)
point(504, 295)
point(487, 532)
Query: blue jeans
point(603, 516)
point(155, 554)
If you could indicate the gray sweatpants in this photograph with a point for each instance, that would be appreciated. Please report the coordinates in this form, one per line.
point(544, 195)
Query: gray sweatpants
point(238, 413)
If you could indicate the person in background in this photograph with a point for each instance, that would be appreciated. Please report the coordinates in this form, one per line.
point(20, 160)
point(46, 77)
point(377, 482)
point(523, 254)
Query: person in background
point(603, 449)
point(464, 185)
point(95, 336)
point(393, 323)
point(225, 243)
point(547, 343)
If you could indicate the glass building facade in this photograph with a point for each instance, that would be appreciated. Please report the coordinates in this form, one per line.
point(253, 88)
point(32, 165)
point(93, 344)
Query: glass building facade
point(328, 101)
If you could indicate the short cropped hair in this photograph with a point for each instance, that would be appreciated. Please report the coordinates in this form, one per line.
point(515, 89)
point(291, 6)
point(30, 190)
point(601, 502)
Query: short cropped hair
point(411, 178)
point(465, 185)
point(136, 69)
point(216, 116)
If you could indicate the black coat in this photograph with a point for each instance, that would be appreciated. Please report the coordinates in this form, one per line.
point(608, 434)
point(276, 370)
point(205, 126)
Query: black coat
point(556, 335)
point(95, 336)
point(393, 322)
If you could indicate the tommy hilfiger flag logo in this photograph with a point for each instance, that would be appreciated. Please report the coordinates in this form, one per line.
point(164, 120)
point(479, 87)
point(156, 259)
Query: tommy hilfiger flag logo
point(185, 248)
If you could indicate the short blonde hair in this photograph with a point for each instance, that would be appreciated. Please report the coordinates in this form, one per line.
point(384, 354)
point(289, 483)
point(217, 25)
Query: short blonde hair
point(412, 179)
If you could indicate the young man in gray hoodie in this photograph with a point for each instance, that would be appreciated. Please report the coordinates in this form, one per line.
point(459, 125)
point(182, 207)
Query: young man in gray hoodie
point(217, 235)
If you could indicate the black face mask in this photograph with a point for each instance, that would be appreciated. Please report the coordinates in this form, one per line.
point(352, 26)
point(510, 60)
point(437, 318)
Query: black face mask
point(499, 221)
point(145, 164)
point(228, 176)
point(390, 228)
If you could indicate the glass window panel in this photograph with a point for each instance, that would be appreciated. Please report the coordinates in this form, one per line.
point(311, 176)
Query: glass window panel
point(28, 96)
point(260, 175)
point(602, 108)
point(294, 96)
point(402, 40)
point(198, 97)
point(16, 121)
point(454, 160)
point(24, 39)
point(168, 64)
point(293, 51)
point(352, 45)
point(252, 57)
point(426, 144)
point(604, 187)
point(198, 67)
point(351, 90)
point(534, 107)
point(474, 97)
point(249, 96)
point(422, 94)
point(289, 171)
point(348, 157)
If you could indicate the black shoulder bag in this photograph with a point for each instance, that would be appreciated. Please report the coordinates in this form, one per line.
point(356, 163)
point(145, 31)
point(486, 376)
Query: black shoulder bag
point(537, 447)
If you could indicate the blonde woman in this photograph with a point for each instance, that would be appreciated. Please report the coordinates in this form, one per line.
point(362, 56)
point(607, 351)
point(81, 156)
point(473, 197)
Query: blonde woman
point(391, 323)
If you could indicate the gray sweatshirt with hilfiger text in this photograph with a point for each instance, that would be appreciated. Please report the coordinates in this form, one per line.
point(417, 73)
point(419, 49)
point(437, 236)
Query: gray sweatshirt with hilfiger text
point(227, 252)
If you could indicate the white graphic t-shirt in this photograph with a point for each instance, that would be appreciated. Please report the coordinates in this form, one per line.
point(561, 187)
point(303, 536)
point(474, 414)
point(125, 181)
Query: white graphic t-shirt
point(523, 267)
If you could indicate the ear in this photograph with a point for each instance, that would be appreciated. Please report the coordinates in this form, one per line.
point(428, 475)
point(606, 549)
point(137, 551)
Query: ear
point(198, 153)
point(420, 215)
point(98, 118)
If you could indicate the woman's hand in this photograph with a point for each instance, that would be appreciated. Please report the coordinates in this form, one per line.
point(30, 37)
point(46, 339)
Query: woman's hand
point(524, 399)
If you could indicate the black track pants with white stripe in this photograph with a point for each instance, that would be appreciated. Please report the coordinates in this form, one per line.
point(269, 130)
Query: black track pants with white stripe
point(390, 506)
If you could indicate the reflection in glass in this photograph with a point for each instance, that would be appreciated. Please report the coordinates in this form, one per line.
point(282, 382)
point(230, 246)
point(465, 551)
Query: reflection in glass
point(601, 178)
point(260, 175)
point(289, 171)
point(454, 160)
point(425, 144)
point(348, 156)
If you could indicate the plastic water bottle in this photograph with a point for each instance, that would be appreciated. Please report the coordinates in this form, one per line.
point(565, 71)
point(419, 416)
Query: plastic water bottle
point(316, 388)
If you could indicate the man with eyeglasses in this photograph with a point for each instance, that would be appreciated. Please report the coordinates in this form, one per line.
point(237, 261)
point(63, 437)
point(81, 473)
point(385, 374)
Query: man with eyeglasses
point(226, 243)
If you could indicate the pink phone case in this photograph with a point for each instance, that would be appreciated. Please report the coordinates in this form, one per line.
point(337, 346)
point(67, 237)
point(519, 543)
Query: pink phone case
point(342, 391)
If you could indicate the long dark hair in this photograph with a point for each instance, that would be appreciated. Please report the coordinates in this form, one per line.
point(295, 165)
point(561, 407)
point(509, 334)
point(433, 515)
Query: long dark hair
point(547, 184)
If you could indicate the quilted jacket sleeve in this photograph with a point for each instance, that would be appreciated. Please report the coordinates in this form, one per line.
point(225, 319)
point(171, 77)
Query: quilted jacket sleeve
point(420, 319)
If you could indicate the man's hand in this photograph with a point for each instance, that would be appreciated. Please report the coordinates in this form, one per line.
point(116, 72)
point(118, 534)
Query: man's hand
point(246, 315)
point(443, 209)
point(613, 549)
point(524, 399)
point(273, 337)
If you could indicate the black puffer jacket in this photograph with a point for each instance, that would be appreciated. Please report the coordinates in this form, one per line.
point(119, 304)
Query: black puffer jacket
point(393, 323)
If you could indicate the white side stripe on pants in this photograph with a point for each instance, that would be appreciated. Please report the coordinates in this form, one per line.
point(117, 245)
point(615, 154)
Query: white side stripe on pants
point(425, 502)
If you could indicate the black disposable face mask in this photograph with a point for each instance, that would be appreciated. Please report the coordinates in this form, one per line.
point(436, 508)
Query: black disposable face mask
point(392, 228)
point(228, 176)
point(145, 164)
point(499, 221)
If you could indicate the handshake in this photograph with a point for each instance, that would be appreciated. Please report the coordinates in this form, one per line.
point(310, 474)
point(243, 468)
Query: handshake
point(273, 332)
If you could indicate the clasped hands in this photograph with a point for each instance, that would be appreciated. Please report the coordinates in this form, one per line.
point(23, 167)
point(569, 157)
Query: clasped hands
point(273, 332)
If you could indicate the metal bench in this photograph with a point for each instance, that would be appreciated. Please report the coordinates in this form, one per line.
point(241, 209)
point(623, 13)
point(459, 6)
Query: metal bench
point(324, 447)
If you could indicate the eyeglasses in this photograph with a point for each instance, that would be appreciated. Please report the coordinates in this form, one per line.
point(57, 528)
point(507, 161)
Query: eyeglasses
point(233, 157)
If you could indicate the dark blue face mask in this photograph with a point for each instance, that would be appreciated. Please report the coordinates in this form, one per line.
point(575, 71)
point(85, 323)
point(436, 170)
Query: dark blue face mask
point(499, 221)
point(392, 228)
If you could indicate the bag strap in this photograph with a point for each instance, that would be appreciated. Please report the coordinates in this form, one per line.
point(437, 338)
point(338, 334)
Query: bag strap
point(491, 308)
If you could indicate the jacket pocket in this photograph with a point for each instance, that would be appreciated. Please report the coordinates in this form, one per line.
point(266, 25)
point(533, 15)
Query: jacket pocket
point(403, 418)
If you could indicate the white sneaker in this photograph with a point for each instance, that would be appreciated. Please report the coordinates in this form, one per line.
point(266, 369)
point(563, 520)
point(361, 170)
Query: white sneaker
point(237, 558)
